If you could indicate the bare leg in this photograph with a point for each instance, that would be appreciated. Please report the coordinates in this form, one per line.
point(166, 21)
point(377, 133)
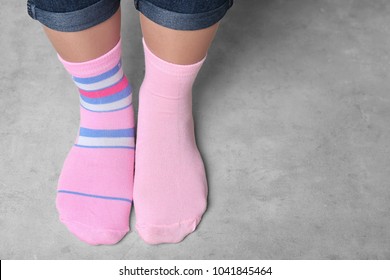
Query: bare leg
point(86, 44)
point(177, 46)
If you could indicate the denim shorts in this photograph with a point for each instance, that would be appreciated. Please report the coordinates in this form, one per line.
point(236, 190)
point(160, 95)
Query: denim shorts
point(77, 15)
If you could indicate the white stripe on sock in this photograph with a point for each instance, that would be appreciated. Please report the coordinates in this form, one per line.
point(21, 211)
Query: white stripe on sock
point(103, 141)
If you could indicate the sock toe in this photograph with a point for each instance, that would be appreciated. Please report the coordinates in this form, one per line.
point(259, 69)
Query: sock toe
point(94, 236)
point(173, 233)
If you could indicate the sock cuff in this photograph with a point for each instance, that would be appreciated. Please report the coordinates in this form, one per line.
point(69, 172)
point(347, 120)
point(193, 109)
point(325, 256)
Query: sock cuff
point(168, 67)
point(95, 66)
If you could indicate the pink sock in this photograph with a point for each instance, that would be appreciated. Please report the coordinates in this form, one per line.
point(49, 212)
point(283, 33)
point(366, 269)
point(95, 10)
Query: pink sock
point(94, 193)
point(170, 187)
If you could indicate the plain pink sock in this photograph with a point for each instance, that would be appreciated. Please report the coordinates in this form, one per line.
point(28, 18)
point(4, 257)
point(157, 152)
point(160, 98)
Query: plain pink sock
point(95, 187)
point(170, 187)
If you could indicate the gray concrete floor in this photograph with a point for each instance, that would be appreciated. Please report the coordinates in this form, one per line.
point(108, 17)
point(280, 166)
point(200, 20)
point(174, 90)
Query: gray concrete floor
point(292, 112)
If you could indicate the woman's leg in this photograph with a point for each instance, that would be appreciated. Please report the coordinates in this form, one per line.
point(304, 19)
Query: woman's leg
point(177, 46)
point(86, 44)
point(94, 193)
point(170, 186)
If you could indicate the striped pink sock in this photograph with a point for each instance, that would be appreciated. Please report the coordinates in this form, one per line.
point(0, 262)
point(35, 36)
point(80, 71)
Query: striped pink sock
point(94, 193)
point(170, 187)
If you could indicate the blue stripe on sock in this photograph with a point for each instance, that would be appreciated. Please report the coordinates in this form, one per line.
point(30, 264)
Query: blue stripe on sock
point(103, 88)
point(128, 132)
point(98, 78)
point(108, 99)
point(95, 196)
point(105, 147)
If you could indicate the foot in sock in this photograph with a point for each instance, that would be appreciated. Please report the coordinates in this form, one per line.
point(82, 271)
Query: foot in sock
point(94, 193)
point(170, 187)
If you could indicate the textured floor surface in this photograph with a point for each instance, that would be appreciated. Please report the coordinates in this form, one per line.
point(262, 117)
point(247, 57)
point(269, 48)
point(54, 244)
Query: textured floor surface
point(292, 112)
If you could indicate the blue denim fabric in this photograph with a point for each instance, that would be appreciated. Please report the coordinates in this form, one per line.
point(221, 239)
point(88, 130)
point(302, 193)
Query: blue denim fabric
point(184, 14)
point(63, 6)
point(77, 15)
